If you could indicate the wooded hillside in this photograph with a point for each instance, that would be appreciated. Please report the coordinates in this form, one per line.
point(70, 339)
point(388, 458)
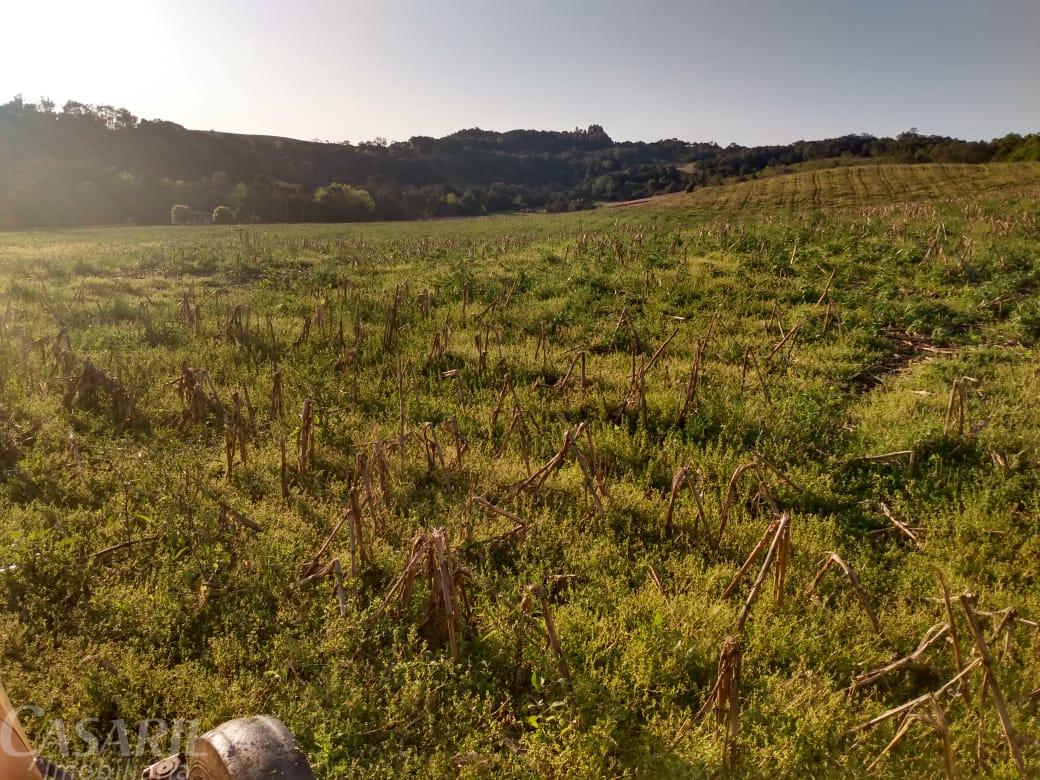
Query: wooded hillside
point(91, 165)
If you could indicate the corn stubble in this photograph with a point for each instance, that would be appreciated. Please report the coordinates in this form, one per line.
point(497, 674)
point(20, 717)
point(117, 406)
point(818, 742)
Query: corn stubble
point(556, 451)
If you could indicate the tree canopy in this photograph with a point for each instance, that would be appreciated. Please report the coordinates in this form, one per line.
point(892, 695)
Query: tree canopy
point(97, 164)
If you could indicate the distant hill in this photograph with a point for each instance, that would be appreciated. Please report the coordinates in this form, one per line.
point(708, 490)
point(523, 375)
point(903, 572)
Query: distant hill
point(89, 165)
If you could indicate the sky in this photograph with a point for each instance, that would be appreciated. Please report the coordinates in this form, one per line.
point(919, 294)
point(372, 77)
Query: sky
point(731, 71)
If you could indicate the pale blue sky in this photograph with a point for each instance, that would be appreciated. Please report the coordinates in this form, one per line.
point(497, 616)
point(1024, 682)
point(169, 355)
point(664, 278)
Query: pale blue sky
point(749, 71)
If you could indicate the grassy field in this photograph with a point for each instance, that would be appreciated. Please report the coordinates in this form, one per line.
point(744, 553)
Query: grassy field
point(662, 490)
point(859, 185)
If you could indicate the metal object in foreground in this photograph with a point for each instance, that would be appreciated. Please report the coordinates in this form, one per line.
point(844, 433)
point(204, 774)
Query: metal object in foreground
point(172, 768)
point(257, 748)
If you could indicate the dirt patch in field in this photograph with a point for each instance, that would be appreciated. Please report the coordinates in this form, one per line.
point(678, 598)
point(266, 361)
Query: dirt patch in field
point(905, 349)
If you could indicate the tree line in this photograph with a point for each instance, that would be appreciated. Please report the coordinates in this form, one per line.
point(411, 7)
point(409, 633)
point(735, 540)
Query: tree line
point(87, 164)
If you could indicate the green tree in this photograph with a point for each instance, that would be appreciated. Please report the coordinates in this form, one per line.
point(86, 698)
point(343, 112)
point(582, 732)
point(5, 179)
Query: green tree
point(470, 203)
point(222, 215)
point(342, 203)
point(603, 187)
point(239, 198)
point(180, 214)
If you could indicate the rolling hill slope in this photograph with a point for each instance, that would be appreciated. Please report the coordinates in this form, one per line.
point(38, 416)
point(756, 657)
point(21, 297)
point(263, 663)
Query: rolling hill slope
point(92, 165)
point(858, 185)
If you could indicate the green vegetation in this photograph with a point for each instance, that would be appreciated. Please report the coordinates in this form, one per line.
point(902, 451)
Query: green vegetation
point(96, 165)
point(863, 185)
point(222, 215)
point(839, 361)
point(341, 202)
point(180, 214)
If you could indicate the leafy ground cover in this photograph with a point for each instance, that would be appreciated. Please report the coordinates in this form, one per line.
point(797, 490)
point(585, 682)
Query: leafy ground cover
point(664, 490)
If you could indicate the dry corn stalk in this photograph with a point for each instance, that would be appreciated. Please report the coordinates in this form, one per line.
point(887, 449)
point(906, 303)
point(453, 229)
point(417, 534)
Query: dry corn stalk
point(73, 448)
point(482, 343)
point(536, 594)
point(594, 482)
point(956, 406)
point(906, 707)
point(89, 383)
point(425, 302)
point(755, 469)
point(790, 337)
point(363, 477)
point(447, 605)
point(542, 345)
point(481, 501)
point(198, 396)
point(227, 512)
point(271, 333)
point(936, 718)
point(151, 335)
point(249, 409)
point(439, 346)
point(938, 721)
point(576, 361)
point(305, 439)
point(624, 321)
point(351, 517)
point(283, 471)
point(776, 551)
point(459, 439)
point(190, 311)
point(724, 697)
point(57, 352)
point(990, 681)
point(435, 463)
point(833, 559)
point(783, 477)
point(635, 398)
point(751, 359)
point(909, 712)
point(382, 470)
point(778, 529)
point(315, 568)
point(305, 332)
point(392, 324)
point(826, 289)
point(958, 654)
point(235, 330)
point(932, 635)
point(235, 434)
point(769, 533)
point(829, 315)
point(1008, 619)
point(519, 529)
point(276, 395)
point(681, 479)
point(331, 569)
point(518, 423)
point(783, 556)
point(341, 595)
point(905, 530)
point(358, 548)
point(507, 388)
point(689, 396)
point(402, 416)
